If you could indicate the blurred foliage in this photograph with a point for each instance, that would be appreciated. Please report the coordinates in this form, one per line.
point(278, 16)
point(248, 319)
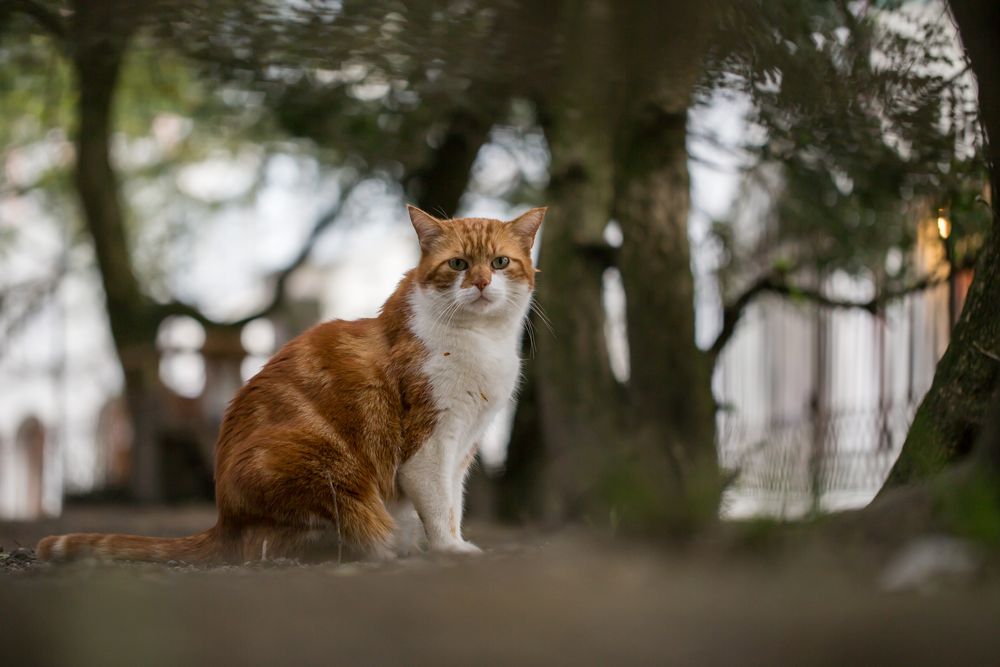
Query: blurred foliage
point(863, 115)
point(34, 86)
point(370, 87)
point(863, 123)
point(167, 117)
point(373, 81)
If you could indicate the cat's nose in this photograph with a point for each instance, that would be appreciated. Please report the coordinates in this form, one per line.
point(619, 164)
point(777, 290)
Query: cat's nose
point(481, 282)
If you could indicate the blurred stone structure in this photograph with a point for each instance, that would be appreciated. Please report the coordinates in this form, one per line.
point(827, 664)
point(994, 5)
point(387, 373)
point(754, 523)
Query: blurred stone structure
point(22, 471)
point(114, 439)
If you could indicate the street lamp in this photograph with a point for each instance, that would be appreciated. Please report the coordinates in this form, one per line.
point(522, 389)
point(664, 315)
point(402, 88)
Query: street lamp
point(944, 231)
point(944, 227)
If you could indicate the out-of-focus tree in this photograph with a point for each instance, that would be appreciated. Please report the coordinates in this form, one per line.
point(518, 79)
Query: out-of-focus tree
point(412, 91)
point(77, 54)
point(869, 121)
point(640, 455)
point(866, 119)
point(950, 460)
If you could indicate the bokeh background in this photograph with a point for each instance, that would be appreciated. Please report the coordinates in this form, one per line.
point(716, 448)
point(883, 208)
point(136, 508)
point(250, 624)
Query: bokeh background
point(763, 219)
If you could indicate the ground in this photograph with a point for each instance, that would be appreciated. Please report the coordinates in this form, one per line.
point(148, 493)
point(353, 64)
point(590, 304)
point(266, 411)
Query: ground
point(558, 597)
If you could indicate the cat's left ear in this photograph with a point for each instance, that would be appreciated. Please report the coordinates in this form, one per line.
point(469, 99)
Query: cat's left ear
point(428, 227)
point(526, 225)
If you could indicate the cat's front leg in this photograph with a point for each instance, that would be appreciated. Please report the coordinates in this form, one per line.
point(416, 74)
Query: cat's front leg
point(428, 481)
point(464, 463)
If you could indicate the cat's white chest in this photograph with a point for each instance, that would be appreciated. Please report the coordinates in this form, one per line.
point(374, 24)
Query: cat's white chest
point(472, 375)
point(472, 367)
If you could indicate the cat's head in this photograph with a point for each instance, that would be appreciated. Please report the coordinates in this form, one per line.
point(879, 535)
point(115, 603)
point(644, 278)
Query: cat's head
point(476, 266)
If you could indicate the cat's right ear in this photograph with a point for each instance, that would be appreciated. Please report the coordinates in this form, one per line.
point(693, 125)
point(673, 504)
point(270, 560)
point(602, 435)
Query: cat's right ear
point(428, 227)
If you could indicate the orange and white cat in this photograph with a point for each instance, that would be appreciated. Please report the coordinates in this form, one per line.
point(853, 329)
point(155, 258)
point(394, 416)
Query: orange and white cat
point(353, 425)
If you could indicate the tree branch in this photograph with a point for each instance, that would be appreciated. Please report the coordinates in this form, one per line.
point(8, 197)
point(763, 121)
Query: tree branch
point(30, 296)
point(777, 283)
point(281, 277)
point(439, 184)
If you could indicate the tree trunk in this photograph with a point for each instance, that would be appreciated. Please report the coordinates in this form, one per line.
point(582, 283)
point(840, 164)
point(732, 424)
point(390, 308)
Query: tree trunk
point(953, 411)
point(97, 57)
point(575, 394)
point(649, 462)
point(438, 187)
point(988, 449)
point(672, 409)
point(99, 37)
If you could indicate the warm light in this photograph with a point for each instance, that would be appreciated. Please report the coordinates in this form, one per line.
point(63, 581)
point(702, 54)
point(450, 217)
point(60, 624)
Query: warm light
point(944, 227)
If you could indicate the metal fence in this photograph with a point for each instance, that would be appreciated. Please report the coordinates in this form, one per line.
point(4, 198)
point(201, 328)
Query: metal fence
point(817, 401)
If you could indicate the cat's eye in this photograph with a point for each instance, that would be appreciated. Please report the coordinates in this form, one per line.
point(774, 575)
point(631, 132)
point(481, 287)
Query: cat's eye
point(458, 264)
point(500, 262)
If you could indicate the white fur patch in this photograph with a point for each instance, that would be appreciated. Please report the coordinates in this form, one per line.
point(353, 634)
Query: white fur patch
point(473, 365)
point(59, 547)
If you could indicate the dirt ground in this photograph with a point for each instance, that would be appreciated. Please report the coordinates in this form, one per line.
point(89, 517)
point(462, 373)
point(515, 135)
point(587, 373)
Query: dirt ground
point(566, 597)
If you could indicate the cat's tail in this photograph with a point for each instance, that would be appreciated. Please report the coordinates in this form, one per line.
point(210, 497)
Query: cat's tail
point(198, 548)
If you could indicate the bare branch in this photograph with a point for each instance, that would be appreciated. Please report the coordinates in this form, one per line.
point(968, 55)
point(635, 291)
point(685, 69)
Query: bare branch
point(942, 85)
point(777, 283)
point(30, 296)
point(281, 278)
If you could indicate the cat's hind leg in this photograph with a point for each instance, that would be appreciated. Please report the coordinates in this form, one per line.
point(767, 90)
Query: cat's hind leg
point(302, 484)
point(360, 519)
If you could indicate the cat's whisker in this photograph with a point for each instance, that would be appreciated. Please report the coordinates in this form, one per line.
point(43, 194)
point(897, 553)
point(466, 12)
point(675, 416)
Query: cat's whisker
point(546, 322)
point(447, 312)
point(454, 311)
point(536, 308)
point(530, 330)
point(513, 301)
point(439, 316)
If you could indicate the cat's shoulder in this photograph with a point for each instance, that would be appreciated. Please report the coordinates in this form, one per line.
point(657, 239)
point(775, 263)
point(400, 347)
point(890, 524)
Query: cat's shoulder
point(336, 338)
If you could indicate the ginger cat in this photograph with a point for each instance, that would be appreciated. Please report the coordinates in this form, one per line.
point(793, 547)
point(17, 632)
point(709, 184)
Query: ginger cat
point(352, 419)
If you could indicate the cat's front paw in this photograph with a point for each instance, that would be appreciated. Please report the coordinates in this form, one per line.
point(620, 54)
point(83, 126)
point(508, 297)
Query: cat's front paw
point(458, 547)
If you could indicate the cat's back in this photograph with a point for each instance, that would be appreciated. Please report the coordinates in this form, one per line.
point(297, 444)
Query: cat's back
point(329, 355)
point(318, 380)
